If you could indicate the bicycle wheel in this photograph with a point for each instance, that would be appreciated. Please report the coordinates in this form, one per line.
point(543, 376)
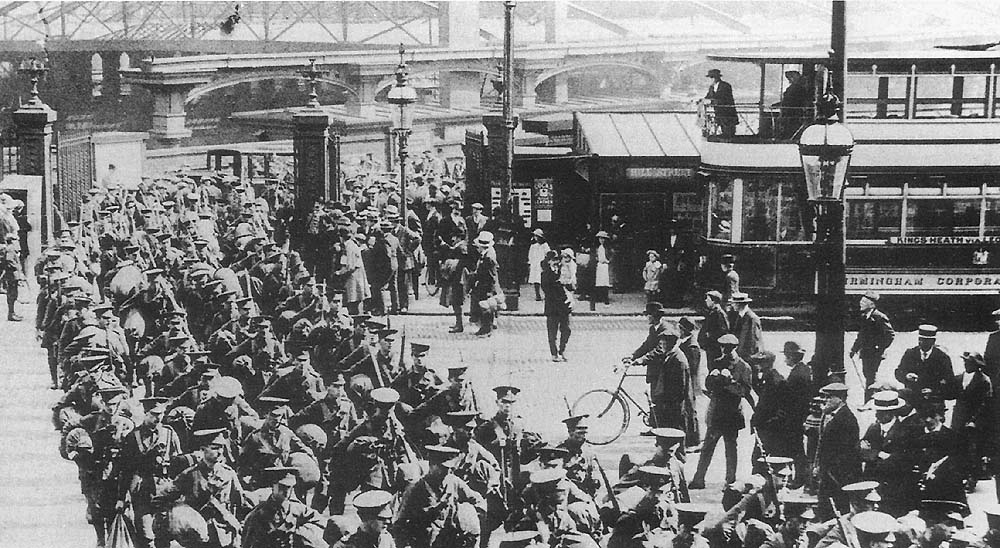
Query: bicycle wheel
point(609, 415)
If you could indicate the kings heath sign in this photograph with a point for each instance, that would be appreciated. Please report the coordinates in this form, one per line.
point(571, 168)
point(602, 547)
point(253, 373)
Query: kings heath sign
point(924, 282)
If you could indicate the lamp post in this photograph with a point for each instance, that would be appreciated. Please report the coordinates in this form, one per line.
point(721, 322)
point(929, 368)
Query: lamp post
point(35, 70)
point(402, 95)
point(825, 148)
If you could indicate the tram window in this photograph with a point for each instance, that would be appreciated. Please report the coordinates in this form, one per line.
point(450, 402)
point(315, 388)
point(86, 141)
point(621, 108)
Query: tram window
point(721, 202)
point(795, 213)
point(992, 217)
point(760, 206)
point(942, 217)
point(873, 219)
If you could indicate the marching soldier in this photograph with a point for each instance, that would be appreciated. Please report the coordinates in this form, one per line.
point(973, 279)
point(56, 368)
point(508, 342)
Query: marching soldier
point(375, 512)
point(504, 437)
point(281, 521)
point(11, 275)
point(439, 510)
point(213, 489)
point(335, 413)
point(270, 446)
point(580, 465)
point(147, 455)
point(478, 468)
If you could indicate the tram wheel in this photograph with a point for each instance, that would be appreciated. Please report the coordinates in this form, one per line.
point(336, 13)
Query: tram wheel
point(609, 415)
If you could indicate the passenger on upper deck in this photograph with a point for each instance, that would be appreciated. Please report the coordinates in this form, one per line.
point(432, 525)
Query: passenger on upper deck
point(720, 96)
point(794, 104)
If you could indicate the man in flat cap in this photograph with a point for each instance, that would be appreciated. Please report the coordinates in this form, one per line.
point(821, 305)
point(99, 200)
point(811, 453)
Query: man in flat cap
point(838, 459)
point(875, 334)
point(728, 383)
point(715, 325)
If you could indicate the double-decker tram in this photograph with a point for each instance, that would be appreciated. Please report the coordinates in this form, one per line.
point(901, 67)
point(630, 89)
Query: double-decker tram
point(923, 197)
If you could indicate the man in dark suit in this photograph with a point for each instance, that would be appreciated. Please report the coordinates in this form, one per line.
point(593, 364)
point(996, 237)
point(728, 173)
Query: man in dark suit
point(837, 456)
point(720, 96)
point(991, 356)
point(924, 367)
point(668, 377)
point(801, 390)
point(476, 222)
point(746, 327)
point(875, 334)
point(971, 420)
point(938, 459)
point(654, 313)
point(884, 455)
point(716, 324)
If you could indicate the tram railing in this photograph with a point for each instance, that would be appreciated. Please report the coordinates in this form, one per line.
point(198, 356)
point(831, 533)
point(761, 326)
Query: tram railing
point(753, 123)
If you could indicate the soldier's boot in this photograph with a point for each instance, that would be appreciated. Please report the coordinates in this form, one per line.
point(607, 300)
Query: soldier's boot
point(11, 301)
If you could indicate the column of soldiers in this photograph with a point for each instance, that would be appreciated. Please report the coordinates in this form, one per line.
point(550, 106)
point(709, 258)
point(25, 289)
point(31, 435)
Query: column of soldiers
point(218, 393)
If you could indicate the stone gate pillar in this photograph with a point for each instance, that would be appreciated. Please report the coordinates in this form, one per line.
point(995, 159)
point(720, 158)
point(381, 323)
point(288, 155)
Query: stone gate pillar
point(312, 158)
point(33, 124)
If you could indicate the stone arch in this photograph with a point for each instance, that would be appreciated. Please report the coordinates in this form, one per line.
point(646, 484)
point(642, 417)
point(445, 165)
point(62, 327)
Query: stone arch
point(391, 80)
point(233, 80)
point(549, 74)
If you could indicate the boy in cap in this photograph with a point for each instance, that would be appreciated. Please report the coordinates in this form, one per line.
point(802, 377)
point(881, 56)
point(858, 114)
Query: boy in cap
point(875, 334)
point(281, 519)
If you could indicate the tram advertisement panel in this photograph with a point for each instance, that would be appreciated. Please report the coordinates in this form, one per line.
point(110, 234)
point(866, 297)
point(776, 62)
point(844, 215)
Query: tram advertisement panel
point(923, 282)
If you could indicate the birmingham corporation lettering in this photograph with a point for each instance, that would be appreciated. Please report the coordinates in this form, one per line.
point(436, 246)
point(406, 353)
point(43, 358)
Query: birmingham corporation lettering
point(924, 282)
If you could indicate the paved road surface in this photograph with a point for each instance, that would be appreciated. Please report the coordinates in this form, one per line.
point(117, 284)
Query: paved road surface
point(40, 504)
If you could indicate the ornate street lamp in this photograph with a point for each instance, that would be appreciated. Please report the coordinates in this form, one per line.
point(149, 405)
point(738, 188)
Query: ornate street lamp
point(35, 69)
point(825, 148)
point(402, 95)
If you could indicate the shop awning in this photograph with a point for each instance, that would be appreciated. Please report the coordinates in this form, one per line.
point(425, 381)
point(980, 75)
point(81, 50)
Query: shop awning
point(638, 134)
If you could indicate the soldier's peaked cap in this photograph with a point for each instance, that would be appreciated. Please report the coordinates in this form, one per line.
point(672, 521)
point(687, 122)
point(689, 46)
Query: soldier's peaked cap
point(154, 405)
point(282, 475)
point(875, 523)
point(374, 502)
point(442, 454)
point(691, 514)
point(211, 436)
point(507, 392)
point(461, 418)
point(227, 387)
point(576, 421)
point(385, 395)
point(860, 488)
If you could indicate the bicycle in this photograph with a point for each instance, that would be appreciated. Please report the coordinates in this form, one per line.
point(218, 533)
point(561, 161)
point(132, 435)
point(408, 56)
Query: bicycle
point(609, 410)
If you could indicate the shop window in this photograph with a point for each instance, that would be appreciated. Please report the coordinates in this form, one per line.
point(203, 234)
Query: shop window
point(760, 206)
point(721, 200)
point(942, 217)
point(873, 219)
point(796, 214)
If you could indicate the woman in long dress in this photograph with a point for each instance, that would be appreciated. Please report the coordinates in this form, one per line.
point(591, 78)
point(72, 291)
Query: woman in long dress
point(536, 255)
point(602, 269)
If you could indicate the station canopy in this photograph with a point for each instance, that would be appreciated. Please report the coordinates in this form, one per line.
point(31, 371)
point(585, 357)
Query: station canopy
point(639, 134)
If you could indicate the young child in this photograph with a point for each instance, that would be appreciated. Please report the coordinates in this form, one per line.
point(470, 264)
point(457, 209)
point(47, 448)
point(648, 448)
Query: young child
point(536, 255)
point(651, 274)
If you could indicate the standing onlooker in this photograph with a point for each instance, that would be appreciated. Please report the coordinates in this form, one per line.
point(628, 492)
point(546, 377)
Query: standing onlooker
point(537, 254)
point(558, 306)
point(720, 97)
point(11, 275)
point(669, 379)
point(352, 271)
point(689, 346)
point(925, 370)
point(716, 324)
point(801, 389)
point(23, 228)
point(838, 457)
point(485, 283)
point(602, 269)
point(651, 275)
point(454, 257)
point(747, 327)
point(730, 285)
point(970, 419)
point(875, 334)
point(567, 270)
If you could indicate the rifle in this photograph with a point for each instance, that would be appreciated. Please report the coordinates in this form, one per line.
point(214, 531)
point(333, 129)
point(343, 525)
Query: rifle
point(402, 349)
point(607, 485)
point(849, 532)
